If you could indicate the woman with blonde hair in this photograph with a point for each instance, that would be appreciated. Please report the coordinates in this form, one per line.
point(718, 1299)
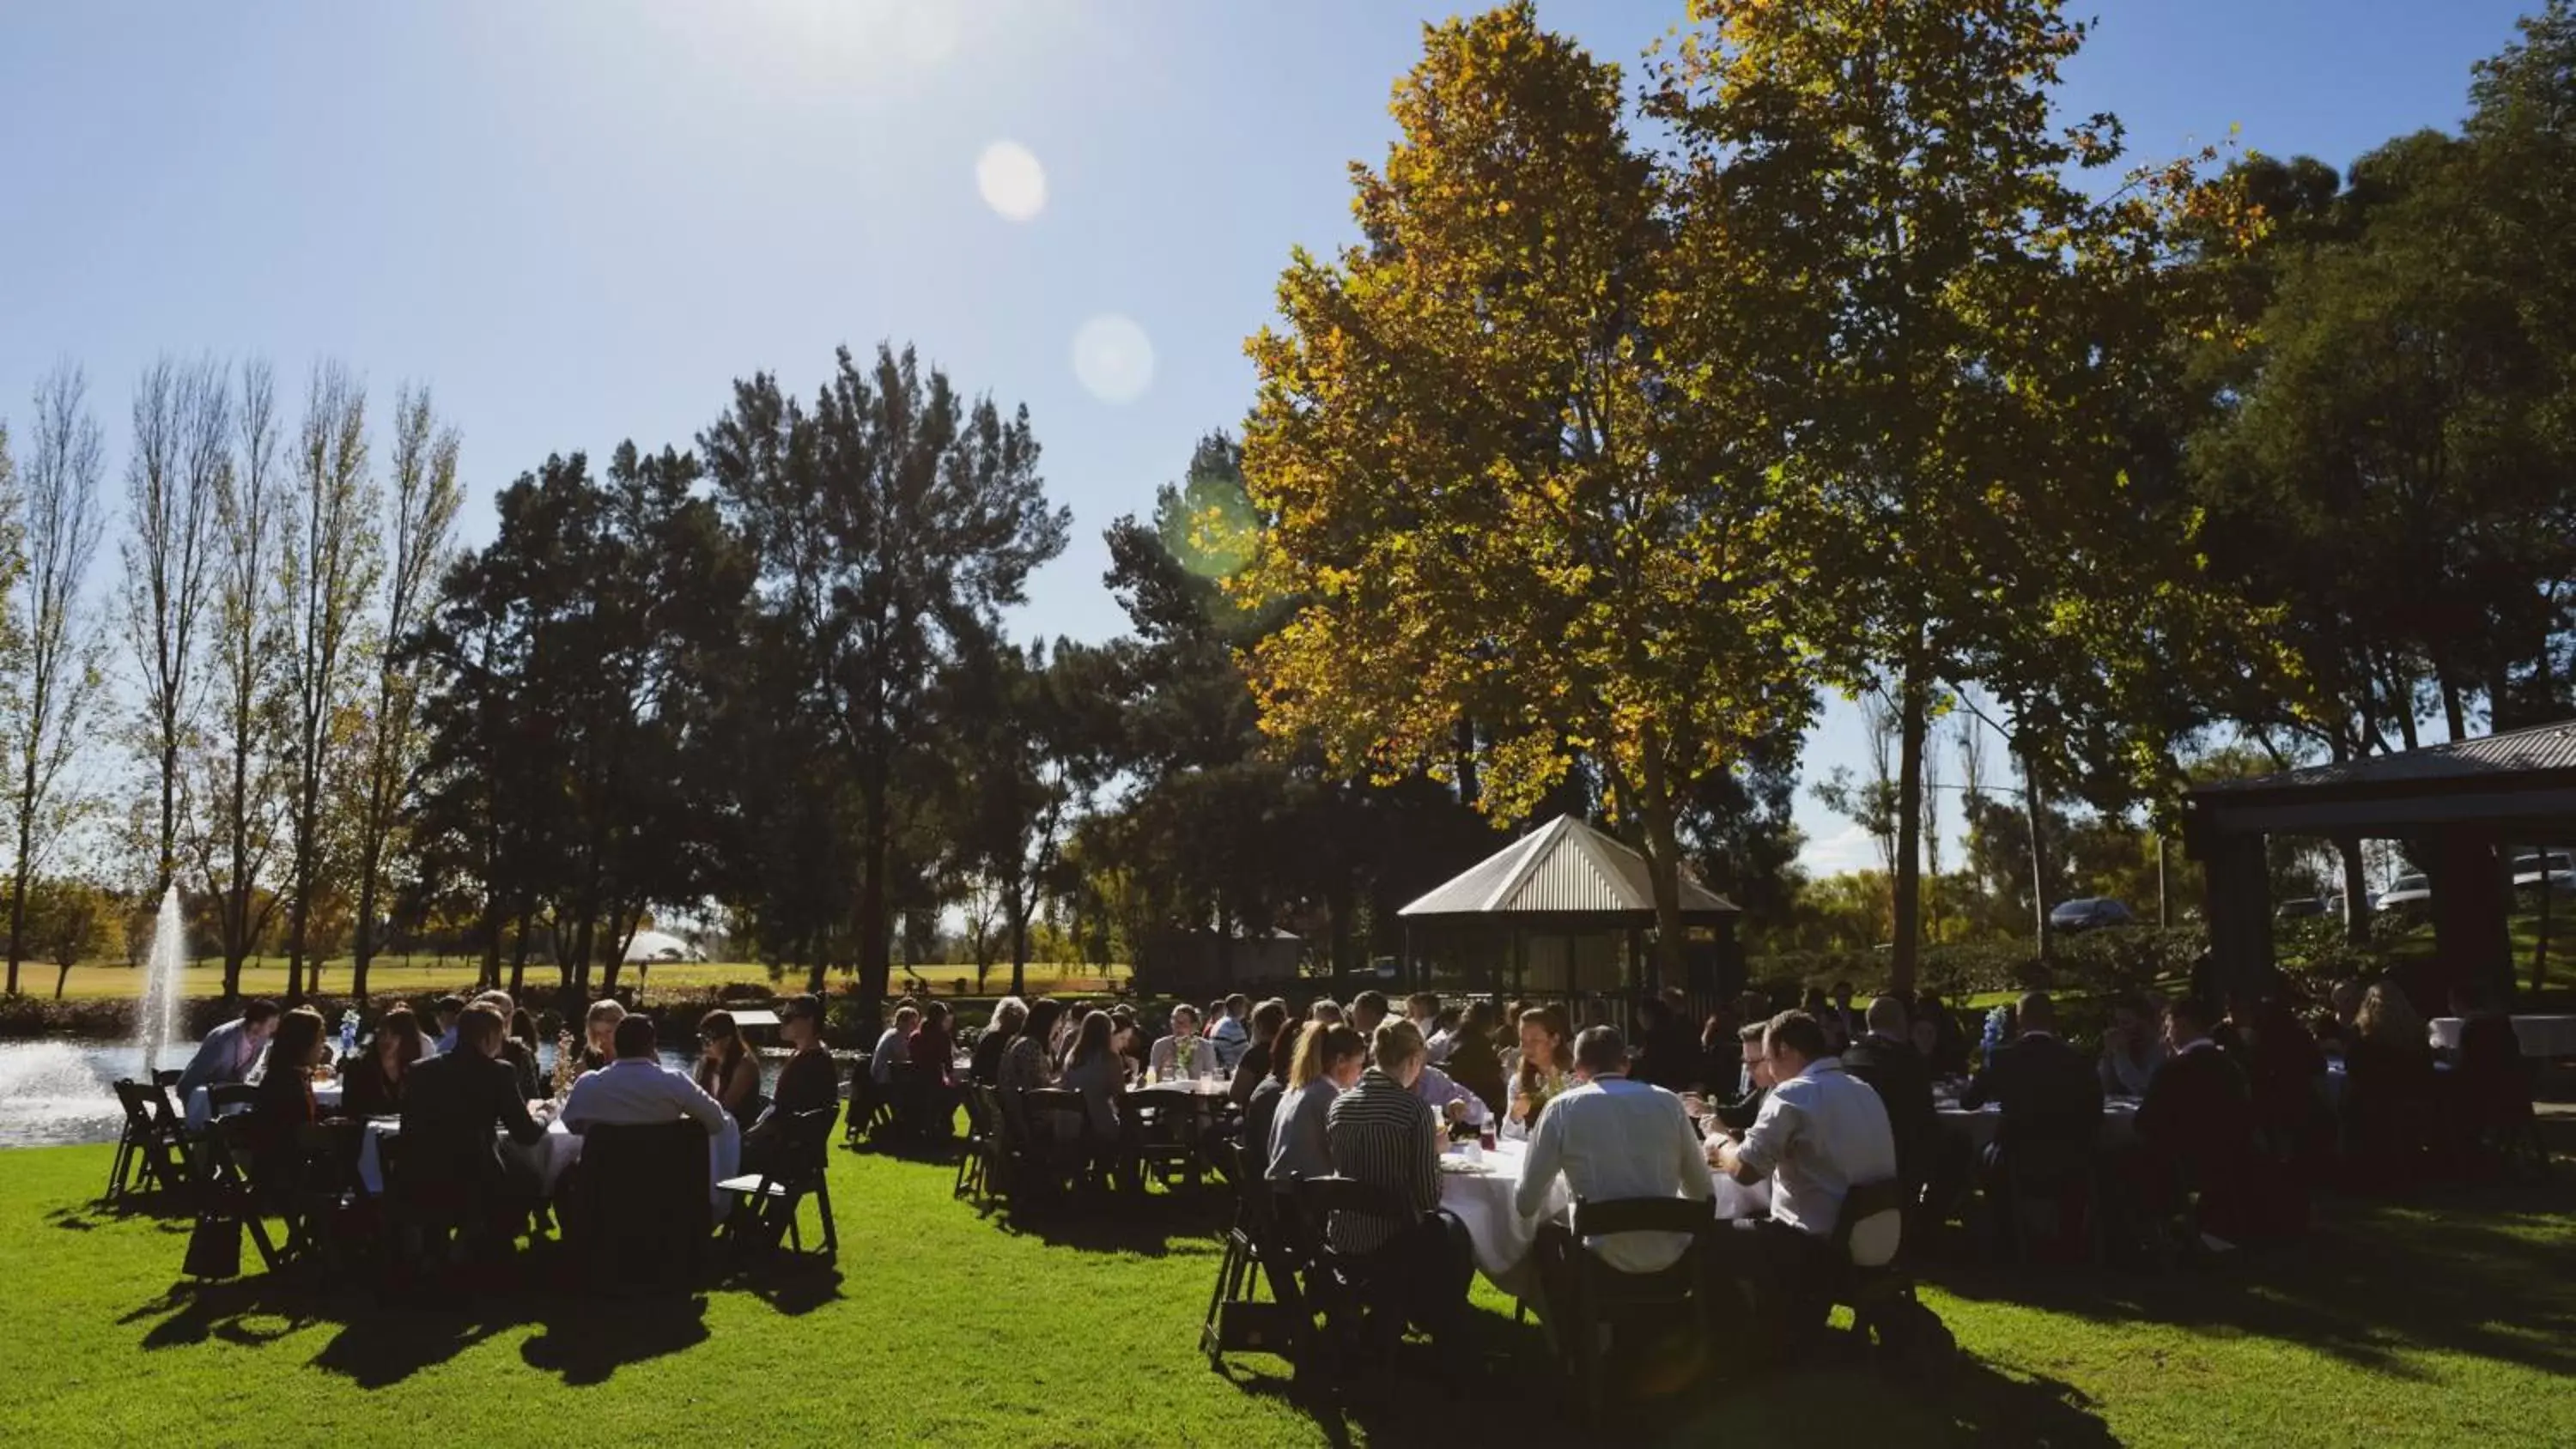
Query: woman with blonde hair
point(2387, 1104)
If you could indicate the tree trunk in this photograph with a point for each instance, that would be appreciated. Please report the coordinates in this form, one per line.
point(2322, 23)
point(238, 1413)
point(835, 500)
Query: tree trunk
point(2454, 712)
point(519, 959)
point(876, 957)
point(2356, 890)
point(362, 945)
point(2540, 945)
point(1663, 865)
point(2033, 802)
point(1913, 705)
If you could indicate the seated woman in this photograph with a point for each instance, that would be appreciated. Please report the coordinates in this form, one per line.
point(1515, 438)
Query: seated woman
point(1092, 1069)
point(806, 1083)
point(1547, 1054)
point(1379, 1132)
point(1027, 1063)
point(521, 1052)
point(930, 1056)
point(375, 1083)
point(282, 1102)
point(599, 1034)
point(1473, 1063)
point(1328, 1060)
point(1009, 1015)
point(1182, 1053)
point(2387, 1109)
point(725, 1068)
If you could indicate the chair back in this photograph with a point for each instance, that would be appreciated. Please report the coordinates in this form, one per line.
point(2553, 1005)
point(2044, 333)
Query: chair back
point(1059, 1102)
point(138, 1110)
point(1864, 1202)
point(805, 1140)
point(643, 1210)
point(1643, 1215)
point(230, 1094)
point(1318, 1198)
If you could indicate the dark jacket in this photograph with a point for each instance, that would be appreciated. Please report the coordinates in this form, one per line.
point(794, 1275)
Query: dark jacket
point(451, 1103)
point(1737, 1116)
point(1249, 1069)
point(2198, 1112)
point(1670, 1058)
point(986, 1059)
point(1476, 1066)
point(365, 1091)
point(1903, 1081)
point(2051, 1096)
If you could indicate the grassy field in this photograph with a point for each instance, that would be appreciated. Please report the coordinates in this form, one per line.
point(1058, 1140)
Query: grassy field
point(2443, 1322)
point(423, 975)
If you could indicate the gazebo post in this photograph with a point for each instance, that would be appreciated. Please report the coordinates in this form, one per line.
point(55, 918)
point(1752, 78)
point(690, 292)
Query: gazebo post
point(2240, 917)
point(2471, 945)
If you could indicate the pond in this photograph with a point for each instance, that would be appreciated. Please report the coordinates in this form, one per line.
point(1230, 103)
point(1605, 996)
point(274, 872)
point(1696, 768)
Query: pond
point(57, 1093)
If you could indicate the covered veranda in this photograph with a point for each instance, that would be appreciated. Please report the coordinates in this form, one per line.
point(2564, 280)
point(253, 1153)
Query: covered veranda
point(1563, 914)
point(2463, 809)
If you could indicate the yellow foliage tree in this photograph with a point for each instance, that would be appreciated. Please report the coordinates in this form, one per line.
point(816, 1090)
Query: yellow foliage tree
point(1507, 470)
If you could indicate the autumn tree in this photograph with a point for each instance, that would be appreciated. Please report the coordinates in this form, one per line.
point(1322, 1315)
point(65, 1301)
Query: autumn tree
point(57, 667)
point(1948, 319)
point(424, 496)
point(1508, 470)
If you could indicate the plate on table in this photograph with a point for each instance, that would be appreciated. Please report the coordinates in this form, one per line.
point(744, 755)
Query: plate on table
point(1463, 1168)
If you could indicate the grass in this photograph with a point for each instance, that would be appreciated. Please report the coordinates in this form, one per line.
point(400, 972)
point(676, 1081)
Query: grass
point(266, 976)
point(2443, 1322)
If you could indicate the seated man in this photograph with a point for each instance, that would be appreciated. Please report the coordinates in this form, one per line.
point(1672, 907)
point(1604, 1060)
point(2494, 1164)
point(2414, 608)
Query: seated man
point(637, 1090)
point(451, 1103)
point(1378, 1132)
point(1755, 1079)
point(448, 1009)
point(2196, 1125)
point(2051, 1098)
point(1610, 1138)
point(1445, 1096)
point(225, 1056)
point(1229, 1034)
point(1885, 1058)
point(1820, 1132)
point(2131, 1050)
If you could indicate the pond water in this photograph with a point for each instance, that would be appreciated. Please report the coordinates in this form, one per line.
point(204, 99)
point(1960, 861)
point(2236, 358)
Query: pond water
point(54, 1093)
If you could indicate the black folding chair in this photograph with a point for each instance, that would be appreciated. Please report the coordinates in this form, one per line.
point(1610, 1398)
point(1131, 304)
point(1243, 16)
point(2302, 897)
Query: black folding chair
point(974, 1174)
point(1063, 1146)
point(1164, 1130)
point(151, 1145)
point(1598, 1295)
point(861, 1105)
point(642, 1214)
point(1237, 1319)
point(767, 1200)
point(1881, 1296)
point(1338, 1285)
point(226, 1203)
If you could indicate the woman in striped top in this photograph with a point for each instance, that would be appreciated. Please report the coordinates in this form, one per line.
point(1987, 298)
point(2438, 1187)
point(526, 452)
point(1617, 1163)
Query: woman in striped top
point(1380, 1133)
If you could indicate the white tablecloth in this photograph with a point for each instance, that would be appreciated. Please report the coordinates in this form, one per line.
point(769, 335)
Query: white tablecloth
point(2119, 1122)
point(1502, 1237)
point(200, 1105)
point(554, 1153)
point(2541, 1036)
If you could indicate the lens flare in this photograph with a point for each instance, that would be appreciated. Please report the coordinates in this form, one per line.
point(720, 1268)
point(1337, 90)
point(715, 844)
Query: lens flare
point(1113, 358)
point(1011, 180)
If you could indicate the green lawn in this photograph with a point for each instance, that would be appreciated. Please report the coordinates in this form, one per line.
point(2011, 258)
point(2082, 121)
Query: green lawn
point(395, 975)
point(2442, 1323)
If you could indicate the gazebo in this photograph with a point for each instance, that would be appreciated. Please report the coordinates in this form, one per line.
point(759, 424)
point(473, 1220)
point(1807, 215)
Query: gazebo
point(2462, 807)
point(1562, 913)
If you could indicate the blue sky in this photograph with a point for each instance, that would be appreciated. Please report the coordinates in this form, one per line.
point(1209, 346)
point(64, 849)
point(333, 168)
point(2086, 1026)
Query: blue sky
point(579, 222)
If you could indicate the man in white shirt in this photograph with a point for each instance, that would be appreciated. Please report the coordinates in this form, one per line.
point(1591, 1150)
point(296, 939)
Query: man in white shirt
point(1422, 1008)
point(637, 1090)
point(1229, 1034)
point(1611, 1138)
point(1820, 1132)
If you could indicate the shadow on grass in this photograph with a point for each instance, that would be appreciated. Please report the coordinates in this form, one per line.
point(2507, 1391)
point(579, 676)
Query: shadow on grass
point(2478, 1271)
point(1667, 1392)
point(173, 1212)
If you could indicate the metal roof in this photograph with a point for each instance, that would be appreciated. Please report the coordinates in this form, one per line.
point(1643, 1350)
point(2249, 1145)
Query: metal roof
point(2539, 748)
point(1562, 868)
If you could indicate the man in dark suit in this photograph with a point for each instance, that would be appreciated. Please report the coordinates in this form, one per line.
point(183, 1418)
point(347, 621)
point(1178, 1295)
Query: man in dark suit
point(1903, 1080)
point(451, 1106)
point(1739, 1115)
point(2198, 1116)
point(2050, 1093)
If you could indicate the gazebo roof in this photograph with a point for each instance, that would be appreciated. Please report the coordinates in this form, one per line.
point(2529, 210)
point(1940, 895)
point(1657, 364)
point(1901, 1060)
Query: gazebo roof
point(1563, 869)
point(2525, 775)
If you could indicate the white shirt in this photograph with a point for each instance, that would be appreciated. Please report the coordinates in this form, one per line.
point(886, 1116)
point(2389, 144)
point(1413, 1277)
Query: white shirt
point(1819, 1132)
point(892, 1051)
point(1439, 1044)
point(632, 1091)
point(1165, 1057)
point(1612, 1138)
point(1231, 1041)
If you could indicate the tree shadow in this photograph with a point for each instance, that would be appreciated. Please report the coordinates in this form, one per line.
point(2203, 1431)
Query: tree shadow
point(2476, 1271)
point(1671, 1394)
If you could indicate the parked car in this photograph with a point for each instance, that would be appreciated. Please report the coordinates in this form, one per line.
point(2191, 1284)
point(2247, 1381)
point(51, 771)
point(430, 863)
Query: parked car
point(2561, 871)
point(2088, 913)
point(2407, 892)
point(2304, 908)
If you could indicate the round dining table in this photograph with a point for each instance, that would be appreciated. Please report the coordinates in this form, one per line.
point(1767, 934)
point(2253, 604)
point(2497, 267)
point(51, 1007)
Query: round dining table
point(200, 1104)
point(1480, 1187)
point(553, 1155)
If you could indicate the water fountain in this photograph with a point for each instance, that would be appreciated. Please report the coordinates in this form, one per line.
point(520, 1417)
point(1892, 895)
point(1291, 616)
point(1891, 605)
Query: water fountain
point(156, 1020)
